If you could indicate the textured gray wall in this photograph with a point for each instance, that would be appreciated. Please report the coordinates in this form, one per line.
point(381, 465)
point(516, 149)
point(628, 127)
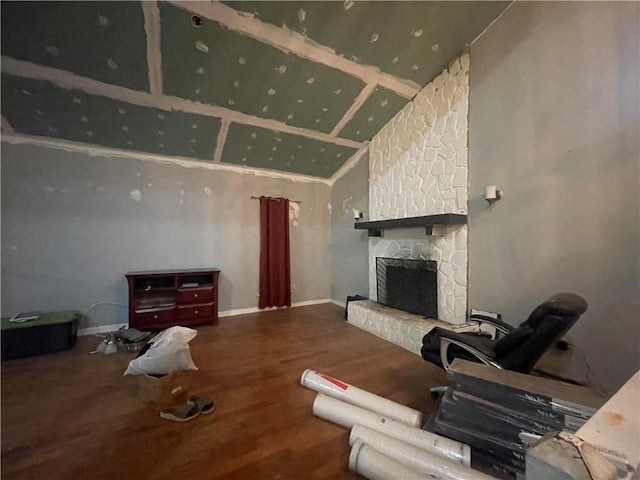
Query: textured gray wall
point(554, 115)
point(71, 229)
point(350, 247)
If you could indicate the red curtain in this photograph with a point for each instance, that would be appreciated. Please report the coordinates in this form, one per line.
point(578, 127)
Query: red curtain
point(275, 276)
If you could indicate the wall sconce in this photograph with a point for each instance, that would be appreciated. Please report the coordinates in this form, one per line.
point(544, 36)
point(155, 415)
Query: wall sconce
point(492, 194)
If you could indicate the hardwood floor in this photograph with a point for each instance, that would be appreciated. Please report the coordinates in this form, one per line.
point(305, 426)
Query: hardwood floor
point(72, 415)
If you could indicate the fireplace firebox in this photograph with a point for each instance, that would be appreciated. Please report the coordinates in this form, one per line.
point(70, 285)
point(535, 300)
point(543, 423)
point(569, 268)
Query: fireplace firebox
point(409, 285)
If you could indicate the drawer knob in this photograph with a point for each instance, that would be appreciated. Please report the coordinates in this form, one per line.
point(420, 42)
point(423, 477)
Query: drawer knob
point(155, 316)
point(196, 312)
point(195, 295)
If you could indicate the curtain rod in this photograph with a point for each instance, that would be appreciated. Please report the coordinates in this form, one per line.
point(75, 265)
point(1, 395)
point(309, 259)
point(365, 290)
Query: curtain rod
point(290, 201)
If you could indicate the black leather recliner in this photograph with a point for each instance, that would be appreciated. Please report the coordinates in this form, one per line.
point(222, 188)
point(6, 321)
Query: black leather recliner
point(517, 349)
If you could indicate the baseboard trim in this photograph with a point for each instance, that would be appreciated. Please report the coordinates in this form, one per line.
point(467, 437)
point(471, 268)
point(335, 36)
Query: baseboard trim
point(101, 329)
point(226, 313)
point(243, 311)
point(339, 303)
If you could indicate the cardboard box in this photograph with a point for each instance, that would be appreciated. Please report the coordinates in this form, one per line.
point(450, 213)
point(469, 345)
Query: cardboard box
point(171, 389)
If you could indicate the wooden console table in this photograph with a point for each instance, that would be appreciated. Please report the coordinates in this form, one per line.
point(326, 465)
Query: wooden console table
point(163, 298)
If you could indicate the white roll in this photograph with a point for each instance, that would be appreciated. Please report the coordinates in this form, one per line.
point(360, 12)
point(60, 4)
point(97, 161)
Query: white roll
point(335, 388)
point(374, 465)
point(417, 459)
point(348, 415)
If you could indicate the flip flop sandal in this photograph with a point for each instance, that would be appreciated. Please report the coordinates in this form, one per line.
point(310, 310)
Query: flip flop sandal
point(181, 413)
point(203, 404)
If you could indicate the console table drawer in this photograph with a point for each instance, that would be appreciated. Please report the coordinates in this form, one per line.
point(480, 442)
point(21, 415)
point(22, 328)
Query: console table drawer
point(195, 295)
point(194, 312)
point(154, 316)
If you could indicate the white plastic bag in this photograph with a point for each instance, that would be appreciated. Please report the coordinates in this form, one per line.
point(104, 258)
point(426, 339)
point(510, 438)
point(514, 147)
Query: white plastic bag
point(169, 352)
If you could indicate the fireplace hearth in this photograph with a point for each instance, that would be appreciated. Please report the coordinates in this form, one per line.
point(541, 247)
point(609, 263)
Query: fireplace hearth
point(408, 285)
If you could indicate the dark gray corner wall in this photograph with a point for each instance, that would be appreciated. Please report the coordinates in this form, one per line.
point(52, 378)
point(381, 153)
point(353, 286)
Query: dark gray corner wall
point(350, 247)
point(74, 224)
point(554, 121)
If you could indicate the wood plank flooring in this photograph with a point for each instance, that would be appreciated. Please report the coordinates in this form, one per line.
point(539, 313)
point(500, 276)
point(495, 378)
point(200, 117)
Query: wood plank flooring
point(72, 415)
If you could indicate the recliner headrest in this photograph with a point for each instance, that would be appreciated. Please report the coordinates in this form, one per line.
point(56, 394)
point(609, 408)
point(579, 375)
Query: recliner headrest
point(559, 304)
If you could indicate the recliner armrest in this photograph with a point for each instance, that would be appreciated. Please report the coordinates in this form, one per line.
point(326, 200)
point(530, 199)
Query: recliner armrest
point(466, 342)
point(497, 323)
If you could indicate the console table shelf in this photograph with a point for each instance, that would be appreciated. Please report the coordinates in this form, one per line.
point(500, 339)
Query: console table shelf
point(376, 228)
point(162, 298)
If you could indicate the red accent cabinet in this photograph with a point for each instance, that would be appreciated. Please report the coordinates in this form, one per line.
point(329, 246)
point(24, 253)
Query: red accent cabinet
point(163, 298)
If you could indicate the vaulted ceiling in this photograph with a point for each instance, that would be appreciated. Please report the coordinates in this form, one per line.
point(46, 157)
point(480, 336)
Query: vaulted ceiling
point(295, 87)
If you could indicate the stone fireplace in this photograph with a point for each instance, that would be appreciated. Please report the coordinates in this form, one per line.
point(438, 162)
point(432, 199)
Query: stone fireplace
point(419, 166)
point(408, 285)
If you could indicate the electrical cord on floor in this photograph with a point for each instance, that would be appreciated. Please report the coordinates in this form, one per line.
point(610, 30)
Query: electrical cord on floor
point(591, 380)
point(95, 304)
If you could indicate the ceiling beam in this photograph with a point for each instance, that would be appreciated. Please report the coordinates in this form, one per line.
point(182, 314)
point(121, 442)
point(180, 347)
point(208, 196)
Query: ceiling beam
point(69, 80)
point(154, 55)
point(220, 141)
point(348, 165)
point(290, 41)
point(362, 97)
point(108, 152)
